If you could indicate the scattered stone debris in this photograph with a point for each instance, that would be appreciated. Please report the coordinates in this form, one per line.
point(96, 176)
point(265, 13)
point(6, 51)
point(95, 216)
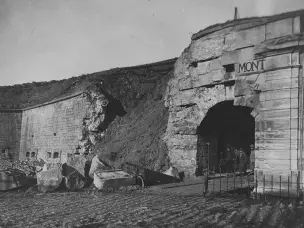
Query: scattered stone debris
point(74, 172)
point(49, 180)
point(173, 172)
point(74, 181)
point(18, 173)
point(5, 164)
point(98, 165)
point(75, 163)
point(112, 179)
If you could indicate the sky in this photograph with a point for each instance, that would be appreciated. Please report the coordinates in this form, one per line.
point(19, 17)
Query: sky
point(43, 40)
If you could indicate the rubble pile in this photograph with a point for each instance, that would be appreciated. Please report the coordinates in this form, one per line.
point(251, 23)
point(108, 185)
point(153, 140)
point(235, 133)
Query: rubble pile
point(18, 173)
point(76, 173)
point(70, 175)
point(5, 164)
point(29, 167)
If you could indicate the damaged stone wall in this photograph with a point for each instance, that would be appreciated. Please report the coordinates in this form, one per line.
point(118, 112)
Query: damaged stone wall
point(254, 63)
point(92, 124)
point(87, 121)
point(63, 127)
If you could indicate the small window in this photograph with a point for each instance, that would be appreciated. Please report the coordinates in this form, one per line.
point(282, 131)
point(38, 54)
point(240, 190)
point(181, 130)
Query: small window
point(27, 154)
point(229, 68)
point(193, 64)
point(33, 154)
point(49, 154)
point(230, 71)
point(54, 134)
point(56, 155)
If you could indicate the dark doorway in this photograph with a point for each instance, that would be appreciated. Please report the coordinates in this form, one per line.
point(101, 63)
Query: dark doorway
point(224, 139)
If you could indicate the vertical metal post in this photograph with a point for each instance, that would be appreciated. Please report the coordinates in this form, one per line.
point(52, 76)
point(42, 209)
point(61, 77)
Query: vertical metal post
point(227, 181)
point(298, 184)
point(233, 184)
point(280, 187)
point(291, 181)
point(248, 186)
point(264, 185)
point(272, 188)
point(208, 166)
point(256, 185)
point(288, 187)
point(220, 179)
point(207, 179)
point(241, 184)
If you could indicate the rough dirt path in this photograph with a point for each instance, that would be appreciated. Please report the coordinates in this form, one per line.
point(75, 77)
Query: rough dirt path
point(148, 208)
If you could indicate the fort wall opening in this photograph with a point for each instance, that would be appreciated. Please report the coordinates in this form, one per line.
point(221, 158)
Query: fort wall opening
point(226, 132)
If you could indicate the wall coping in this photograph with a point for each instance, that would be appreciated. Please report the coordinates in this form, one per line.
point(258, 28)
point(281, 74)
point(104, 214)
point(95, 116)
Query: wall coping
point(53, 101)
point(41, 105)
point(11, 110)
point(254, 21)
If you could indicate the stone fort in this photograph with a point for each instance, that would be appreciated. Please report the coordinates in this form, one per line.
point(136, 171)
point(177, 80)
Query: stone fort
point(238, 85)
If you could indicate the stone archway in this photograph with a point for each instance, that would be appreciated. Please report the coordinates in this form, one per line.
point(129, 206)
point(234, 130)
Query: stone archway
point(188, 109)
point(224, 130)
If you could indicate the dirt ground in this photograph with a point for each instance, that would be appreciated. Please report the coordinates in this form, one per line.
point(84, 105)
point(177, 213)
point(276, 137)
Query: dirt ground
point(141, 208)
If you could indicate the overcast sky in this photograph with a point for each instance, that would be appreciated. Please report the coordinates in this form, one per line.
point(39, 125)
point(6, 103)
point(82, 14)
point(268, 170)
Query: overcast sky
point(42, 40)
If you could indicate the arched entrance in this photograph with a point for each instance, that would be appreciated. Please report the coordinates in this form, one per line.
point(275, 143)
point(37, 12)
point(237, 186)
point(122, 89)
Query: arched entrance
point(225, 138)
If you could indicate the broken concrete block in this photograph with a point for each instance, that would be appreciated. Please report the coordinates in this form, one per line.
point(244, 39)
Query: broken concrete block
point(112, 179)
point(97, 165)
point(74, 172)
point(49, 180)
point(74, 181)
point(75, 163)
point(173, 172)
point(50, 165)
